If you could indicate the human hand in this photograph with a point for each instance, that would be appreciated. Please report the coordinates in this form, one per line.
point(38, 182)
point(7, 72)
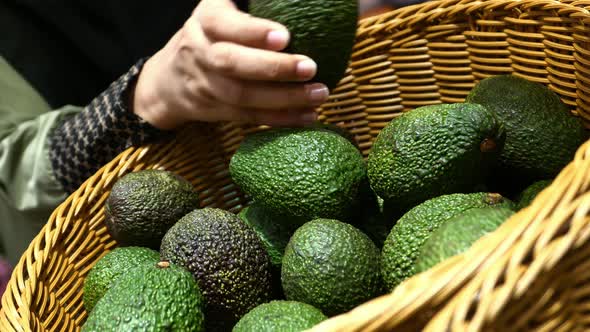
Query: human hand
point(223, 65)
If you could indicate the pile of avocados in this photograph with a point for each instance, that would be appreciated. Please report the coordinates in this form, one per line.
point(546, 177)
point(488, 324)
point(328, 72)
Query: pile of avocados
point(325, 229)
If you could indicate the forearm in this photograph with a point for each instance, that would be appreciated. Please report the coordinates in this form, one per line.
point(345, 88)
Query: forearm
point(85, 142)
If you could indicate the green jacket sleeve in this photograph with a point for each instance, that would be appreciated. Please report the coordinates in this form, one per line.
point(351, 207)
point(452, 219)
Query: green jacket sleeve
point(29, 191)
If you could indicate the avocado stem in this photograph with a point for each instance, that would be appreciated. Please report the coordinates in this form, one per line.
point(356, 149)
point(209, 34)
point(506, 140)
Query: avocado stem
point(163, 264)
point(487, 145)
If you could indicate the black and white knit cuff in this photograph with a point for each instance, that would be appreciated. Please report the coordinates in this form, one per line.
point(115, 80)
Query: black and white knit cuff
point(85, 142)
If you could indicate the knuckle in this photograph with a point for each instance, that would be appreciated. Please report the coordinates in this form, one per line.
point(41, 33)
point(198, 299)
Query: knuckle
point(207, 19)
point(274, 69)
point(221, 58)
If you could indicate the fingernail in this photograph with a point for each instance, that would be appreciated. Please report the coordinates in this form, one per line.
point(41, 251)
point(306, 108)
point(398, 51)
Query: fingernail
point(278, 38)
point(309, 117)
point(306, 68)
point(317, 93)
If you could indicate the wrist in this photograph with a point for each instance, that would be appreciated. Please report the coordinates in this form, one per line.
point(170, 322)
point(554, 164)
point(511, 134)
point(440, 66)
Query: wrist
point(147, 103)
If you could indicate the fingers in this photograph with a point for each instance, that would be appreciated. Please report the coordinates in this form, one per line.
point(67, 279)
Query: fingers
point(255, 64)
point(222, 21)
point(264, 95)
point(276, 118)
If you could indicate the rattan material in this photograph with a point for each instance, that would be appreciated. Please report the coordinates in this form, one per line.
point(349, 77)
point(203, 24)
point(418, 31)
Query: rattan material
point(532, 273)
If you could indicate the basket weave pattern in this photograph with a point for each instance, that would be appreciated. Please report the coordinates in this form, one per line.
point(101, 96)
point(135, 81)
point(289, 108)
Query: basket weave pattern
point(533, 272)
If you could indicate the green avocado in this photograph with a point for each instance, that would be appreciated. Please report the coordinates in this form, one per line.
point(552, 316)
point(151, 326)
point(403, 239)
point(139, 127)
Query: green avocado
point(112, 265)
point(434, 150)
point(542, 135)
point(332, 266)
point(458, 234)
point(403, 244)
point(530, 193)
point(322, 30)
point(283, 316)
point(150, 298)
point(302, 172)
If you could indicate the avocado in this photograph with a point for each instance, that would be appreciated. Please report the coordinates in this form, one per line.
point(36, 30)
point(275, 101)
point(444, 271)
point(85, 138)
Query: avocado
point(106, 271)
point(337, 129)
point(275, 231)
point(542, 135)
point(403, 243)
point(323, 30)
point(150, 298)
point(284, 316)
point(373, 216)
point(226, 257)
point(530, 193)
point(331, 265)
point(434, 150)
point(143, 205)
point(303, 172)
point(458, 233)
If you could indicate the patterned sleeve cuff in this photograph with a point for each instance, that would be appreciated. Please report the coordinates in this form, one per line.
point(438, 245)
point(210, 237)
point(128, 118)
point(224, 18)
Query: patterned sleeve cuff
point(90, 139)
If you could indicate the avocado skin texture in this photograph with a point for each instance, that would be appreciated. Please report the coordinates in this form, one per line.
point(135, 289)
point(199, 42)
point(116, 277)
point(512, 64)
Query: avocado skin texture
point(434, 150)
point(323, 30)
point(274, 231)
point(112, 265)
point(542, 136)
point(151, 299)
point(529, 193)
point(227, 259)
point(403, 243)
point(338, 130)
point(303, 172)
point(332, 266)
point(143, 205)
point(458, 234)
point(284, 316)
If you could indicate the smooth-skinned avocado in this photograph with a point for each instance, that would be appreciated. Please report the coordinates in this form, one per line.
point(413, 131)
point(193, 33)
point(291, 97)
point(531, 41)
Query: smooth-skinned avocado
point(143, 205)
point(150, 298)
point(303, 172)
point(332, 266)
point(542, 135)
point(228, 260)
point(284, 316)
point(528, 195)
point(274, 230)
point(403, 244)
point(458, 234)
point(322, 30)
point(112, 265)
point(434, 150)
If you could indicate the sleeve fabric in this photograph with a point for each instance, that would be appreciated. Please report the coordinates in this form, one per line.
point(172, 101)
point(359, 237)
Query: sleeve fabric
point(90, 139)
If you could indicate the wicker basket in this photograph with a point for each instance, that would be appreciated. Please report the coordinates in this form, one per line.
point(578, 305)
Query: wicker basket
point(533, 273)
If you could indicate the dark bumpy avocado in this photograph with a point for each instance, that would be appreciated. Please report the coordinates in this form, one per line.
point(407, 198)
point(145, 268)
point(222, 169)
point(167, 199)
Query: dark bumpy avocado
point(332, 266)
point(226, 257)
point(403, 243)
point(284, 316)
point(457, 234)
point(528, 195)
point(323, 30)
point(303, 172)
point(434, 150)
point(106, 271)
point(542, 135)
point(143, 205)
point(150, 298)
